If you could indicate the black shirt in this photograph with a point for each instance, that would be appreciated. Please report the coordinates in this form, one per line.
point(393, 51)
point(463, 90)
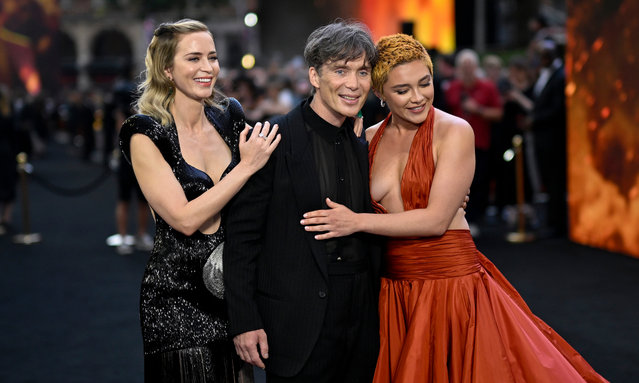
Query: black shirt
point(340, 178)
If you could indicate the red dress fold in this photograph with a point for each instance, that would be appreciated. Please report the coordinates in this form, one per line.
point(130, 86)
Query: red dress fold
point(448, 315)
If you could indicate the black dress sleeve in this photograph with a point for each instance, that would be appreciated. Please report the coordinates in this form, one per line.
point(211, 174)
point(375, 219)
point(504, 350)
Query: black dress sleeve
point(237, 123)
point(146, 125)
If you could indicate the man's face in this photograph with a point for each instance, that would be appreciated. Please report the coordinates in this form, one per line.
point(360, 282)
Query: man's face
point(341, 88)
point(467, 70)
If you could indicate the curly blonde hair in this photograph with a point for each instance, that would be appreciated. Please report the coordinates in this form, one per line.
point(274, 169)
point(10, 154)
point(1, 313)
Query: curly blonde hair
point(394, 50)
point(157, 90)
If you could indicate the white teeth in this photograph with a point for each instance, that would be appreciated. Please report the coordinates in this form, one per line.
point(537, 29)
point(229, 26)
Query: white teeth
point(350, 98)
point(203, 80)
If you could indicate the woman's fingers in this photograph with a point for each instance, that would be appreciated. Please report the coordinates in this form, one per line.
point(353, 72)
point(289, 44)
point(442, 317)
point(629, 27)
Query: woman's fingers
point(244, 133)
point(264, 129)
point(257, 129)
point(328, 235)
point(272, 135)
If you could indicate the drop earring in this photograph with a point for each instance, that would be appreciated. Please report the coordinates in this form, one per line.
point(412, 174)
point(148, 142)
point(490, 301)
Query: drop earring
point(382, 103)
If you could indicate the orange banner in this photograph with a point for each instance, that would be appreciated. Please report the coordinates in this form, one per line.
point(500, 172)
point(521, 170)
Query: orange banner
point(432, 21)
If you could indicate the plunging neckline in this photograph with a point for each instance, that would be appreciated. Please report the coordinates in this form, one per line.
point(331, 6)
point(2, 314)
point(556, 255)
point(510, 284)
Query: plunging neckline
point(219, 229)
point(179, 149)
point(380, 132)
point(375, 141)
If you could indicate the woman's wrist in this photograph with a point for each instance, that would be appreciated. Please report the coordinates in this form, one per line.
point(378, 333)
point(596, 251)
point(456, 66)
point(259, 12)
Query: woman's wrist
point(361, 220)
point(244, 169)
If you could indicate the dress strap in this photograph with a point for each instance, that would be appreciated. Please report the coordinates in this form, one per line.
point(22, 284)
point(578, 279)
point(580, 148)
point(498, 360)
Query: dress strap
point(420, 167)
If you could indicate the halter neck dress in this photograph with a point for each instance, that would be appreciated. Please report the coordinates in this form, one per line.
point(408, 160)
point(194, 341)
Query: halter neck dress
point(447, 314)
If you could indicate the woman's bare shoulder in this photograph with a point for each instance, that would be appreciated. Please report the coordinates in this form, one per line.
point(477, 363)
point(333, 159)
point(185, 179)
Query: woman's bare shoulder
point(446, 124)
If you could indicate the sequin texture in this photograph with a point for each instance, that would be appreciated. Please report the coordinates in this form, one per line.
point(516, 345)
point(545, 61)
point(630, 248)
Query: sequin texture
point(176, 309)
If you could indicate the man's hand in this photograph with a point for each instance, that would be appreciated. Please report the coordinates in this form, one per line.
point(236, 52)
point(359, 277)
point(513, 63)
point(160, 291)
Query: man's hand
point(246, 346)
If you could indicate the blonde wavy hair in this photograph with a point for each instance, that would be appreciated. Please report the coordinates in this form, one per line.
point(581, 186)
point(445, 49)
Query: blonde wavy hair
point(157, 90)
point(394, 50)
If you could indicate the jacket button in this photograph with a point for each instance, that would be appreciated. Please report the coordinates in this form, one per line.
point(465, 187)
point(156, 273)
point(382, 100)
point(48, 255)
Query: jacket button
point(322, 294)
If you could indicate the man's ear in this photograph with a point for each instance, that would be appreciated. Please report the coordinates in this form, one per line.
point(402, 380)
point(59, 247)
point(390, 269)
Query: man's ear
point(313, 77)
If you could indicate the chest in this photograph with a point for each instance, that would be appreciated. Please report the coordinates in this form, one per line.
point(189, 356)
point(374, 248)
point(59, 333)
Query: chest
point(388, 167)
point(207, 152)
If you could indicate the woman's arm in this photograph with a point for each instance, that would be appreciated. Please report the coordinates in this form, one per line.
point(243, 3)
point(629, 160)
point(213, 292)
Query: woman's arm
point(453, 176)
point(165, 194)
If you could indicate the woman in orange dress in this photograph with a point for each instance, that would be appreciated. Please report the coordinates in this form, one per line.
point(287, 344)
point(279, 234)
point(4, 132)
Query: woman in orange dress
point(446, 313)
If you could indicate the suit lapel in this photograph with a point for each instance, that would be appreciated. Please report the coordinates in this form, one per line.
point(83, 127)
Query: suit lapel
point(300, 162)
point(551, 79)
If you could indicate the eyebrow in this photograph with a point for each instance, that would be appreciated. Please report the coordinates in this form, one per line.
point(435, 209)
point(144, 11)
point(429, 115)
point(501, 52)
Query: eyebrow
point(425, 78)
point(200, 53)
point(343, 64)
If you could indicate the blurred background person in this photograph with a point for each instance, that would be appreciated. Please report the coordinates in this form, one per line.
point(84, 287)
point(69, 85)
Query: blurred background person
point(80, 121)
point(8, 163)
point(547, 122)
point(444, 67)
point(477, 101)
point(518, 104)
point(120, 108)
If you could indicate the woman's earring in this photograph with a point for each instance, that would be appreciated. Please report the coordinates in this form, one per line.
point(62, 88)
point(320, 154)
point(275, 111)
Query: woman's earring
point(382, 103)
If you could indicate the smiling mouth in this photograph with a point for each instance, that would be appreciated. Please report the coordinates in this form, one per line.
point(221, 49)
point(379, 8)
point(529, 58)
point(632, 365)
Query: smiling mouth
point(203, 81)
point(350, 99)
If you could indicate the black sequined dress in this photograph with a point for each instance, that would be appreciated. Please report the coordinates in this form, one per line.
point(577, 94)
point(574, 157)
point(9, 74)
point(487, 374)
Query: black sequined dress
point(184, 327)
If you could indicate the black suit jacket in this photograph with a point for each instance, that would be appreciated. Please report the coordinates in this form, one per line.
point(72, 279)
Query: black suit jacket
point(549, 111)
point(275, 272)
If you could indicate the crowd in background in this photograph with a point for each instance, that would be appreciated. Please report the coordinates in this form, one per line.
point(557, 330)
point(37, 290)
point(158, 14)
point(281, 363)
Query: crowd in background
point(501, 96)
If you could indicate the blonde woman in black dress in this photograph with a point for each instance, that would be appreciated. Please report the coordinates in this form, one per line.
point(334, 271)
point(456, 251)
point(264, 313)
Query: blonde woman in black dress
point(191, 152)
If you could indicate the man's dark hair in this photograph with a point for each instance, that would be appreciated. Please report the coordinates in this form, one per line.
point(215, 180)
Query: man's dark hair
point(339, 41)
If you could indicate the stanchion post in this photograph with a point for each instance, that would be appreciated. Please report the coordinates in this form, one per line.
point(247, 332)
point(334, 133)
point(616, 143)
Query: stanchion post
point(27, 237)
point(520, 235)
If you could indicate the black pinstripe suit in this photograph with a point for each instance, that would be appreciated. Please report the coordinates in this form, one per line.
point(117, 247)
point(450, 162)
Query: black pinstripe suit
point(275, 272)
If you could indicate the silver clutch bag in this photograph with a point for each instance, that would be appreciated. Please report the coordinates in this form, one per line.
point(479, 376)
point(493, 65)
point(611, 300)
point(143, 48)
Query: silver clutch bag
point(212, 272)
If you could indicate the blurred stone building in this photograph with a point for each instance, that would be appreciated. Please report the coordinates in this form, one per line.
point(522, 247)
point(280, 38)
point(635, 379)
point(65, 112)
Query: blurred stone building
point(95, 42)
point(100, 41)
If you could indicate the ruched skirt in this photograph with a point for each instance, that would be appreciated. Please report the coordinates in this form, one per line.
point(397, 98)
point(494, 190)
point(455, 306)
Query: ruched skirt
point(448, 315)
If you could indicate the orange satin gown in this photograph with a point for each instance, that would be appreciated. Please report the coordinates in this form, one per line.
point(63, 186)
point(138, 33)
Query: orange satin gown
point(448, 315)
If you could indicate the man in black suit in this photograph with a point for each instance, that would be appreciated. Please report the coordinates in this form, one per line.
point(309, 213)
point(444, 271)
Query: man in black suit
point(548, 124)
point(306, 310)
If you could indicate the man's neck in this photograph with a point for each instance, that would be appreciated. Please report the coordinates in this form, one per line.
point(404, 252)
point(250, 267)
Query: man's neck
point(324, 113)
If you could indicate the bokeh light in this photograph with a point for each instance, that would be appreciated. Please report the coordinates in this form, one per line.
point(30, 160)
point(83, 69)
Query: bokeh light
point(248, 61)
point(250, 19)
